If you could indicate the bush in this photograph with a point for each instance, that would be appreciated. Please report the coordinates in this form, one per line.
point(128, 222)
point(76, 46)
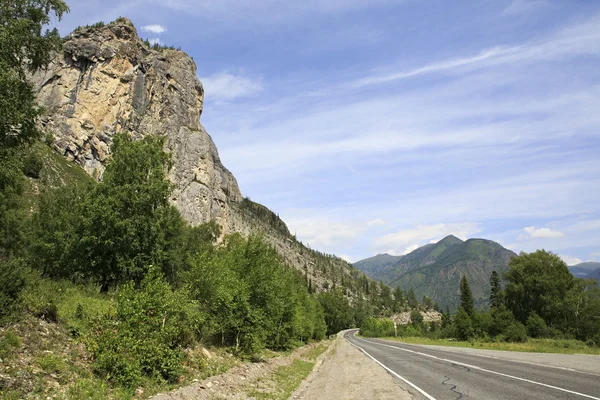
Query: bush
point(463, 325)
point(374, 327)
point(416, 318)
point(536, 326)
point(515, 332)
point(145, 336)
point(32, 166)
point(12, 282)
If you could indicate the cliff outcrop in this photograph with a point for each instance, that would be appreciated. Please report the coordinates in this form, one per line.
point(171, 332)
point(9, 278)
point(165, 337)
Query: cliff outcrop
point(107, 81)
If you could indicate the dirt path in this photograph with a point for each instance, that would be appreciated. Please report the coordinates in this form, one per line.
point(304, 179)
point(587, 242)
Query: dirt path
point(238, 382)
point(345, 374)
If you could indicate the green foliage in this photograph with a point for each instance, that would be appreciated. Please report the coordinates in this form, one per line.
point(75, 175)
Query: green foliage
point(112, 231)
point(536, 326)
point(515, 332)
point(496, 295)
point(144, 338)
point(463, 325)
point(12, 282)
point(32, 166)
point(51, 364)
point(25, 48)
point(538, 282)
point(416, 318)
point(338, 313)
point(466, 297)
point(251, 299)
point(374, 327)
point(8, 342)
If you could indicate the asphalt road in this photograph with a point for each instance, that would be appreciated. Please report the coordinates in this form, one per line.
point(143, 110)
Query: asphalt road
point(437, 374)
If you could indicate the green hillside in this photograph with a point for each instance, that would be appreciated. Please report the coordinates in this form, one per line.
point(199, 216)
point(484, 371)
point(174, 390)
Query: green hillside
point(434, 270)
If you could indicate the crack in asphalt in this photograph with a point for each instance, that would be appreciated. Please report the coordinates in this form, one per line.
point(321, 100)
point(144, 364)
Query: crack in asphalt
point(453, 388)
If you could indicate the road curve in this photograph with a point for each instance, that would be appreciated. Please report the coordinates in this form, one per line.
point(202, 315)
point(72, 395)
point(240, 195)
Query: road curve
point(436, 374)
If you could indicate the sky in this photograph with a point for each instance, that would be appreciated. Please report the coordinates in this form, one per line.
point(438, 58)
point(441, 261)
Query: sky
point(375, 126)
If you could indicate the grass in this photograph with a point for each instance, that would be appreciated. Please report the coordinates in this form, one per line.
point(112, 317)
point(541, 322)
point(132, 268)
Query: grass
point(560, 346)
point(288, 377)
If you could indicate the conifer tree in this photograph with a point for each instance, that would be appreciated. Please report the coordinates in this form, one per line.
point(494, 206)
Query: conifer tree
point(466, 297)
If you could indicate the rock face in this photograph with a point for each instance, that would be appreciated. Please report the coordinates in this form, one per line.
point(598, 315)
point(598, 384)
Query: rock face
point(108, 81)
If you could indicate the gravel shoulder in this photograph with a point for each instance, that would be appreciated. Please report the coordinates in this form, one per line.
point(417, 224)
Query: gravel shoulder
point(346, 373)
point(576, 362)
point(242, 381)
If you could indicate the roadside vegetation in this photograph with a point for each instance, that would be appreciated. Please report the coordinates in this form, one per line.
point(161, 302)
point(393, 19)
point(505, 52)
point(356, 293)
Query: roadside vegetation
point(539, 306)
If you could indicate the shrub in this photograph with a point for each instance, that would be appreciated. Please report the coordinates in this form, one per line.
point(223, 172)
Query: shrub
point(536, 326)
point(515, 332)
point(463, 325)
point(145, 336)
point(12, 282)
point(374, 327)
point(32, 166)
point(416, 318)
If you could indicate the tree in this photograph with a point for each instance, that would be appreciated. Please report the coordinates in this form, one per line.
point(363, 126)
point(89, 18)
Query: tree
point(466, 297)
point(496, 298)
point(338, 314)
point(113, 231)
point(24, 49)
point(538, 282)
point(463, 324)
point(412, 298)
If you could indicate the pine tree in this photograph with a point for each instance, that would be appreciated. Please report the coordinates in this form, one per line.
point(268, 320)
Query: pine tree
point(466, 297)
point(496, 295)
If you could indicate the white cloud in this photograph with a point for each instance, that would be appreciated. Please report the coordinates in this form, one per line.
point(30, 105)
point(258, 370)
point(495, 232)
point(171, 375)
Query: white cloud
point(154, 28)
point(581, 39)
point(410, 249)
point(403, 241)
point(376, 222)
point(346, 258)
point(570, 260)
point(227, 86)
point(541, 233)
point(154, 41)
point(322, 233)
point(595, 254)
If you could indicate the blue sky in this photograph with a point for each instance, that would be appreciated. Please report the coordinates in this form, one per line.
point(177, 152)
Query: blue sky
point(378, 125)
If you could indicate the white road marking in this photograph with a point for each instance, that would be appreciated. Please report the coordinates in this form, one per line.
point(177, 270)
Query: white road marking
point(485, 370)
point(392, 372)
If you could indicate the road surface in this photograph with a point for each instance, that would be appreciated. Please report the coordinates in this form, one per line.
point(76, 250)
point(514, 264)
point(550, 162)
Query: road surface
point(432, 373)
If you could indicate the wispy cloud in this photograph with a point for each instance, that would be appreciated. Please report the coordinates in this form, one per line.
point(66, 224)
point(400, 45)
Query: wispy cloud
point(154, 28)
point(570, 260)
point(403, 241)
point(523, 6)
point(582, 39)
point(543, 233)
point(228, 86)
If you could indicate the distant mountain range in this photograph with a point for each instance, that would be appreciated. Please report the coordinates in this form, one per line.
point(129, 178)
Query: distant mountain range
point(586, 270)
point(435, 269)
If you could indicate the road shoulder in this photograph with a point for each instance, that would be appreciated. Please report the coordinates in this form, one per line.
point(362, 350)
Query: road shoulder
point(346, 373)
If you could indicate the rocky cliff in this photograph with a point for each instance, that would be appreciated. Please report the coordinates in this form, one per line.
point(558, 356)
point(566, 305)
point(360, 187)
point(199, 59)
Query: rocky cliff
point(107, 81)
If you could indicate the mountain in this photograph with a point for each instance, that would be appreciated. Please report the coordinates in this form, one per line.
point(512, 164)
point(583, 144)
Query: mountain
point(435, 269)
point(107, 81)
point(586, 270)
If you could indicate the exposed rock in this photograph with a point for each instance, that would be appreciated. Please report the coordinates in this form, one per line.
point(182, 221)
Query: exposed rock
point(428, 316)
point(108, 81)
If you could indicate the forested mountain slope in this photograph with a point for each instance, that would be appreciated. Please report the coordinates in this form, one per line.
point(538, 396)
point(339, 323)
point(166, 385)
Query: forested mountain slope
point(435, 269)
